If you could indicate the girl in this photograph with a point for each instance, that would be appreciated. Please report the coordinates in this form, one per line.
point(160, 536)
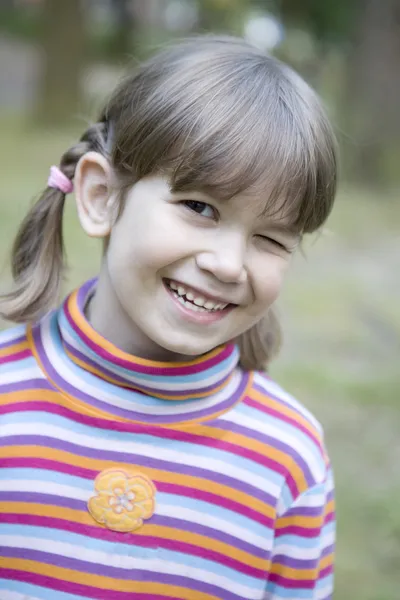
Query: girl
point(144, 452)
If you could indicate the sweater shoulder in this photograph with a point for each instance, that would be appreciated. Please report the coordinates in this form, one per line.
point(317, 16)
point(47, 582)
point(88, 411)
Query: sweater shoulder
point(293, 427)
point(286, 403)
point(10, 338)
point(16, 358)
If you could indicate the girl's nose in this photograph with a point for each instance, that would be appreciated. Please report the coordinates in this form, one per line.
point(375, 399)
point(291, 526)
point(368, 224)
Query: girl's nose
point(226, 262)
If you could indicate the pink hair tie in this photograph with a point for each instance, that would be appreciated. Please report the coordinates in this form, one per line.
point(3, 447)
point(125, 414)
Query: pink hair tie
point(59, 181)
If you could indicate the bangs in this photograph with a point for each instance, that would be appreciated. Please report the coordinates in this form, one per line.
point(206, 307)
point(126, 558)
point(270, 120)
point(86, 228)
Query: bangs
point(265, 155)
point(267, 160)
point(230, 127)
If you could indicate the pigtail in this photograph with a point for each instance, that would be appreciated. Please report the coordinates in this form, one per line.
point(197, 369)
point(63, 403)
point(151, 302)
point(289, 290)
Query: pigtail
point(38, 254)
point(37, 260)
point(259, 345)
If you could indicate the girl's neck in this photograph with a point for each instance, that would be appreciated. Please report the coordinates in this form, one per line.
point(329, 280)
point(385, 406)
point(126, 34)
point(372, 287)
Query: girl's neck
point(106, 315)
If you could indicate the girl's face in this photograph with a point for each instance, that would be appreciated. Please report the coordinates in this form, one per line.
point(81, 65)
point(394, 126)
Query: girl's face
point(185, 273)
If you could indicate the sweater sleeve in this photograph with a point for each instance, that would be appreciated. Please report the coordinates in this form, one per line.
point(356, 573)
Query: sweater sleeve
point(303, 552)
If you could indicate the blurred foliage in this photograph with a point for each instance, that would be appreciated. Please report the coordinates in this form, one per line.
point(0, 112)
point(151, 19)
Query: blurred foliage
point(348, 50)
point(330, 21)
point(222, 15)
point(26, 24)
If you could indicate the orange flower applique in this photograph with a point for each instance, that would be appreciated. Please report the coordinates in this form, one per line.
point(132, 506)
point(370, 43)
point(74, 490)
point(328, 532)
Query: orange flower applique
point(123, 500)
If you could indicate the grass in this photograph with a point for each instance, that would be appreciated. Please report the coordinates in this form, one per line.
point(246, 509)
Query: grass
point(340, 311)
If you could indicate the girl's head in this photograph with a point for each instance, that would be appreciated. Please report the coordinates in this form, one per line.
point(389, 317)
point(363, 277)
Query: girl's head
point(204, 170)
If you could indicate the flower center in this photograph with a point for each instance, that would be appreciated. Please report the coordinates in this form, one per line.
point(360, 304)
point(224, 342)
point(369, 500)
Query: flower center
point(122, 501)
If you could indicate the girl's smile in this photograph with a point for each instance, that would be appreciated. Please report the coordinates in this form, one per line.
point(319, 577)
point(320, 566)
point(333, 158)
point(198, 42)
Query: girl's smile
point(197, 306)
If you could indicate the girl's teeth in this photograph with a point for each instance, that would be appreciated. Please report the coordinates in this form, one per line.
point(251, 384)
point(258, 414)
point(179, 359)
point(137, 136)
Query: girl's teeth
point(195, 303)
point(200, 301)
point(190, 305)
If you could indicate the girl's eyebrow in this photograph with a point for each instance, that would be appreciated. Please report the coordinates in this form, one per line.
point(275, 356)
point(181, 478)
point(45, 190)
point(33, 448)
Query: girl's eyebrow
point(202, 193)
point(284, 228)
point(278, 224)
point(203, 196)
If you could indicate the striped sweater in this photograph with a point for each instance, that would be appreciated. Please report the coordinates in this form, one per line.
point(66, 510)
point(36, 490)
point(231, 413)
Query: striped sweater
point(129, 479)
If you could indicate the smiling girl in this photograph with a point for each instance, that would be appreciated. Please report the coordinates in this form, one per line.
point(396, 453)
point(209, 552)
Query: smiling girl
point(144, 452)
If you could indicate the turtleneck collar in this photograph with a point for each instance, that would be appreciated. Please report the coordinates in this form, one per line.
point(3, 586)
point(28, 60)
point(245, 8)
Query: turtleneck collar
point(85, 365)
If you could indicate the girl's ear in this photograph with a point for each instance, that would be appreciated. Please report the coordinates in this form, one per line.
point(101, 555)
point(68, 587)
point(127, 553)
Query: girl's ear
point(95, 198)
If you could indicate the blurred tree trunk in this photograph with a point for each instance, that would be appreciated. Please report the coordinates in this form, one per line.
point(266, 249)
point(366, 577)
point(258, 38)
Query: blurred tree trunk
point(63, 45)
point(122, 43)
point(373, 90)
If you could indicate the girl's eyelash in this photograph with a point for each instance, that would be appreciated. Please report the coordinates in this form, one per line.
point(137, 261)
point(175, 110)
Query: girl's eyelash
point(198, 207)
point(275, 242)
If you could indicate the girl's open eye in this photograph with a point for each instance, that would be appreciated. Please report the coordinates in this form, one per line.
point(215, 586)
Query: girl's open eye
point(201, 208)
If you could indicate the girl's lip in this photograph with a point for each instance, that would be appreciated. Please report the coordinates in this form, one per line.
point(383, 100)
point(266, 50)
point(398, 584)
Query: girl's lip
point(199, 317)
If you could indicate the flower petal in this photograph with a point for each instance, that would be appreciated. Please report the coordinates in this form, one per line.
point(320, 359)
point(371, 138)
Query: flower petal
point(123, 522)
point(142, 488)
point(136, 512)
point(98, 507)
point(147, 507)
point(110, 479)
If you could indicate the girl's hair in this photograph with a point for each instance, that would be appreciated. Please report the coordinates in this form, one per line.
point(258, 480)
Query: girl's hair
point(214, 114)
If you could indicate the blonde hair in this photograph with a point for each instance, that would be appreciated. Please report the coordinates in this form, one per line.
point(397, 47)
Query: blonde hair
point(215, 114)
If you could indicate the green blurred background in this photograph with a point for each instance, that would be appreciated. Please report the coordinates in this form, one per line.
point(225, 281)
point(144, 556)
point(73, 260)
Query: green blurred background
point(340, 307)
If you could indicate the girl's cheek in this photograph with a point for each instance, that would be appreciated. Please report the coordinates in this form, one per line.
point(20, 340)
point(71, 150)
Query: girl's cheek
point(269, 272)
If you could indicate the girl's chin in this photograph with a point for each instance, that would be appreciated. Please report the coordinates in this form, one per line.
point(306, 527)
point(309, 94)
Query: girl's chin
point(183, 350)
